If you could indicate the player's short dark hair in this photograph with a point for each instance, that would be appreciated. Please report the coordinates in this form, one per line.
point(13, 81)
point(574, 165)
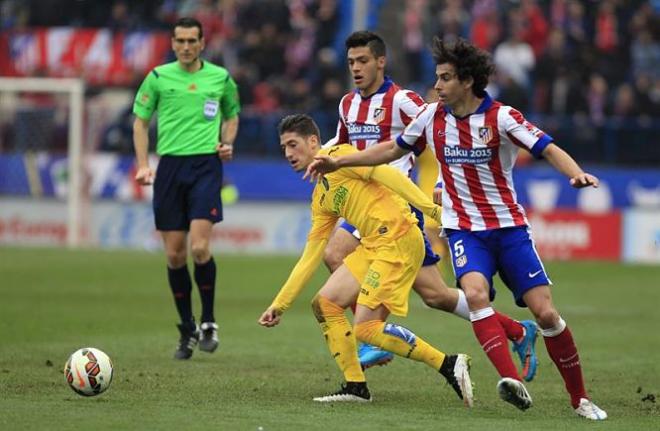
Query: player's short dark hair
point(301, 124)
point(468, 60)
point(367, 38)
point(188, 22)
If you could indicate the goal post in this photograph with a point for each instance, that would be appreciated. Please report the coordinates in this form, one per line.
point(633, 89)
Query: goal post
point(75, 88)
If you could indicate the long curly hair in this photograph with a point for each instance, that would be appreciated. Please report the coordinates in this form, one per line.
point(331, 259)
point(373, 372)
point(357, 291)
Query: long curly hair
point(469, 61)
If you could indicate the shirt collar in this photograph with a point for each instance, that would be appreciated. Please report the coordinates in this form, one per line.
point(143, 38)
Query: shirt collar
point(483, 107)
point(382, 89)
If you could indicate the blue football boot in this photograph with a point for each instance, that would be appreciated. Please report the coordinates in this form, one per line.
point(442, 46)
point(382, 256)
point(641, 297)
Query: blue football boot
point(526, 351)
point(371, 356)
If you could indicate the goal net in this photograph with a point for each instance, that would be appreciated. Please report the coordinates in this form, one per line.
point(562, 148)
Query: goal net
point(41, 149)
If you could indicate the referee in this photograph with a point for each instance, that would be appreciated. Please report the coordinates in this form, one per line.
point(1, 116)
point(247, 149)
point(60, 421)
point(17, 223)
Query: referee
point(195, 101)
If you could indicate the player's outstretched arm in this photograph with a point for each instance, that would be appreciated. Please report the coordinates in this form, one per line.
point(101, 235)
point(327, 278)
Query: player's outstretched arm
point(300, 275)
point(394, 180)
point(376, 155)
point(565, 164)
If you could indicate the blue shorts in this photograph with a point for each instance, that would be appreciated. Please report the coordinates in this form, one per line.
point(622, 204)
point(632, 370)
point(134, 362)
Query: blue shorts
point(187, 188)
point(430, 258)
point(508, 251)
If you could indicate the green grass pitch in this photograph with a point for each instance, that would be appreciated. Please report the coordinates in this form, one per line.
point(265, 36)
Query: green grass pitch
point(53, 302)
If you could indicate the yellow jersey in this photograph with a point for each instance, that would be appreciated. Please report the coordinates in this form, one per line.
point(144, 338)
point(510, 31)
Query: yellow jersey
point(376, 211)
point(373, 199)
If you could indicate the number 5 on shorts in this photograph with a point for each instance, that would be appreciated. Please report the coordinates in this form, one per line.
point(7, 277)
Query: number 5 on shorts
point(458, 248)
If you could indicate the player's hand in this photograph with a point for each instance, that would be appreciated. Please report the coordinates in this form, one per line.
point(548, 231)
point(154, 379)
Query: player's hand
point(144, 176)
point(437, 196)
point(271, 317)
point(322, 164)
point(584, 180)
point(225, 151)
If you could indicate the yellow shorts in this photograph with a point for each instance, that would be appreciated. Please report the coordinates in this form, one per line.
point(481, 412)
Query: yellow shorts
point(386, 273)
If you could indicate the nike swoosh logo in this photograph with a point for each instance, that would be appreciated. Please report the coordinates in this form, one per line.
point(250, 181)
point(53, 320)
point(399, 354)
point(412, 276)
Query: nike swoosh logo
point(534, 274)
point(570, 358)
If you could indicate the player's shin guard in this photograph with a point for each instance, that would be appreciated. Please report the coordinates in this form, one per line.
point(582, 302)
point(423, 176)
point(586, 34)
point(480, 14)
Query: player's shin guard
point(562, 350)
point(339, 336)
point(399, 340)
point(205, 279)
point(181, 287)
point(493, 341)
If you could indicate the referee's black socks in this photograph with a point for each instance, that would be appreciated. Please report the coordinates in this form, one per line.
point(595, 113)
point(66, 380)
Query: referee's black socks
point(205, 279)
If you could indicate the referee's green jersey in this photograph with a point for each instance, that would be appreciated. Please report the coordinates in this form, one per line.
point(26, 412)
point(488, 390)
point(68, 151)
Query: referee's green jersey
point(190, 106)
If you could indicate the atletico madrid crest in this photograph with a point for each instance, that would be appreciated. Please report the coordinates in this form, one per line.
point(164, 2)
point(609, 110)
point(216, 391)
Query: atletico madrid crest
point(485, 134)
point(379, 115)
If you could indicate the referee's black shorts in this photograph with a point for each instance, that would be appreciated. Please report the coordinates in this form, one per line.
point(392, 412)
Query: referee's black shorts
point(187, 188)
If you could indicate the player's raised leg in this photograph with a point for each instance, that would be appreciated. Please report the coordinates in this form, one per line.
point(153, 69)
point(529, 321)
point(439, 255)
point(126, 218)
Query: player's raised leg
point(370, 327)
point(384, 289)
point(181, 286)
point(562, 350)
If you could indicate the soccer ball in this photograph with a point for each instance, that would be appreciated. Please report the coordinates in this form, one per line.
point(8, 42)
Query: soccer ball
point(88, 371)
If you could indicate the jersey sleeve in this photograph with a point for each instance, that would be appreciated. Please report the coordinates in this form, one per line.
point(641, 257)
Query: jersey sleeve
point(146, 99)
point(341, 135)
point(300, 275)
point(394, 180)
point(322, 226)
point(229, 102)
point(413, 137)
point(410, 105)
point(523, 133)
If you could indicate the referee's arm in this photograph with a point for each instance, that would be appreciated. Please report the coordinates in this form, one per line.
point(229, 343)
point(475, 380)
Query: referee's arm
point(227, 136)
point(144, 174)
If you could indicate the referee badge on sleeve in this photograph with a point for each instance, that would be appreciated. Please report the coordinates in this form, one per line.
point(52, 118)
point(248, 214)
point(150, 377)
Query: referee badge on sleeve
point(210, 109)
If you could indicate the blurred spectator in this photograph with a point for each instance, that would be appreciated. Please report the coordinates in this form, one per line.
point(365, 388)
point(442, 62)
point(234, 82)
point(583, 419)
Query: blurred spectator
point(301, 42)
point(514, 56)
point(453, 20)
point(485, 29)
point(624, 105)
point(597, 99)
point(576, 59)
point(535, 27)
point(576, 24)
point(13, 14)
point(413, 38)
point(645, 53)
point(120, 17)
point(327, 19)
point(511, 93)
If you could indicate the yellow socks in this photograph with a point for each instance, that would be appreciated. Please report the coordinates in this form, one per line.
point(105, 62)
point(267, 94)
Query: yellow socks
point(399, 340)
point(339, 336)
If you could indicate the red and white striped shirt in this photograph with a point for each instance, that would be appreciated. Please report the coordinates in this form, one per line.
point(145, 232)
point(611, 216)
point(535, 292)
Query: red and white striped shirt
point(476, 155)
point(366, 121)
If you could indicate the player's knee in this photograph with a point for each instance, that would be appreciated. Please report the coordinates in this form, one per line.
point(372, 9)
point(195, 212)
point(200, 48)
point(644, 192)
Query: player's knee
point(200, 251)
point(332, 259)
point(439, 299)
point(176, 258)
point(476, 296)
point(547, 318)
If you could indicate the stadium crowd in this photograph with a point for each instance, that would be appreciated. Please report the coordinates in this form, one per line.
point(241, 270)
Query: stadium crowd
point(573, 63)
